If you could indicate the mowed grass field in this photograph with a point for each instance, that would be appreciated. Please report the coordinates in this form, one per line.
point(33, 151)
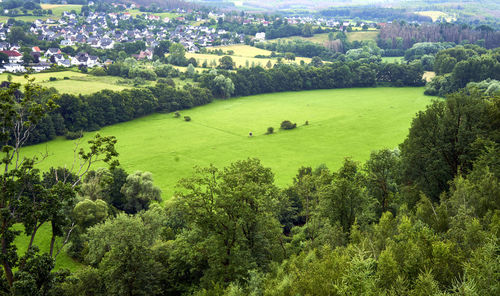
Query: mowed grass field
point(243, 50)
point(362, 35)
point(78, 83)
point(342, 123)
point(436, 15)
point(322, 38)
point(241, 61)
point(57, 10)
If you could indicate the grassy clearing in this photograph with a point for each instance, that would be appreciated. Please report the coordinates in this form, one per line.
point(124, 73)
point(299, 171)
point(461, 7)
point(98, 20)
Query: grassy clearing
point(436, 15)
point(241, 61)
point(317, 38)
point(78, 83)
point(58, 9)
point(42, 241)
point(342, 122)
point(243, 50)
point(361, 36)
point(392, 59)
point(86, 85)
point(136, 12)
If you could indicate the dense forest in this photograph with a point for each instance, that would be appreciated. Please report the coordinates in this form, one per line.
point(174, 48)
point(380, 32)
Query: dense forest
point(374, 14)
point(423, 219)
point(401, 35)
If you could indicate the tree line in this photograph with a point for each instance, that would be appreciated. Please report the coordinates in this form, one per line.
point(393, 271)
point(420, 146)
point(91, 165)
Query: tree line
point(79, 113)
point(401, 35)
point(375, 13)
point(288, 77)
point(423, 219)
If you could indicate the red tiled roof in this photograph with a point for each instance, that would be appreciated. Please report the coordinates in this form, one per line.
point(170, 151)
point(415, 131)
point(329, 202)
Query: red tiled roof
point(11, 53)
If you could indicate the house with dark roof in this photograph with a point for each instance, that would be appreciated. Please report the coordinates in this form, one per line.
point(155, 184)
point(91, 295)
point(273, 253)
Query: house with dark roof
point(52, 51)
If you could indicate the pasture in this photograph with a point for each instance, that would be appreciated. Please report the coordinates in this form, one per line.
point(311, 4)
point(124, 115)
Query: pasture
point(436, 15)
point(322, 38)
point(241, 61)
point(362, 35)
point(342, 122)
point(78, 83)
point(57, 10)
point(242, 50)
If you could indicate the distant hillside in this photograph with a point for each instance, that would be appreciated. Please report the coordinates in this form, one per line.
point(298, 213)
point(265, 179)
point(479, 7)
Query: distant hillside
point(169, 4)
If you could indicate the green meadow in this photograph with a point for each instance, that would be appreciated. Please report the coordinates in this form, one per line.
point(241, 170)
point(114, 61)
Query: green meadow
point(75, 82)
point(42, 241)
point(342, 123)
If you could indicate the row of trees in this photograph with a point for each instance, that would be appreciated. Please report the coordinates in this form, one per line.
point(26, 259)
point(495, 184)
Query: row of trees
point(287, 77)
point(91, 112)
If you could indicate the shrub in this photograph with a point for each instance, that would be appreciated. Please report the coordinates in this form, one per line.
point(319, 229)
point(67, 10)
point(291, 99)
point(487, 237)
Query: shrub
point(307, 122)
point(52, 78)
point(177, 114)
point(66, 78)
point(187, 118)
point(287, 125)
point(98, 71)
point(270, 130)
point(167, 81)
point(73, 135)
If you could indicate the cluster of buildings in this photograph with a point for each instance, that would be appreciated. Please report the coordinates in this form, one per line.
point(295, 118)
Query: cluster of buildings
point(42, 60)
point(102, 30)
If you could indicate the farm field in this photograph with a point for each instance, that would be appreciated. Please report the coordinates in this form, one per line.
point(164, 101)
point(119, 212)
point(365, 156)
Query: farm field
point(342, 122)
point(323, 37)
point(78, 83)
point(57, 10)
point(317, 38)
point(436, 15)
point(243, 50)
point(362, 35)
point(241, 61)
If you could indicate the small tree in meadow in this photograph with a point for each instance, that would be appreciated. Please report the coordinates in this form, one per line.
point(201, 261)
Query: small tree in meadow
point(270, 130)
point(287, 125)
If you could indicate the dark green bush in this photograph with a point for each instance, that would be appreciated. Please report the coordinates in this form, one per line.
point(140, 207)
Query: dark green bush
point(187, 118)
point(52, 78)
point(270, 130)
point(73, 135)
point(287, 125)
